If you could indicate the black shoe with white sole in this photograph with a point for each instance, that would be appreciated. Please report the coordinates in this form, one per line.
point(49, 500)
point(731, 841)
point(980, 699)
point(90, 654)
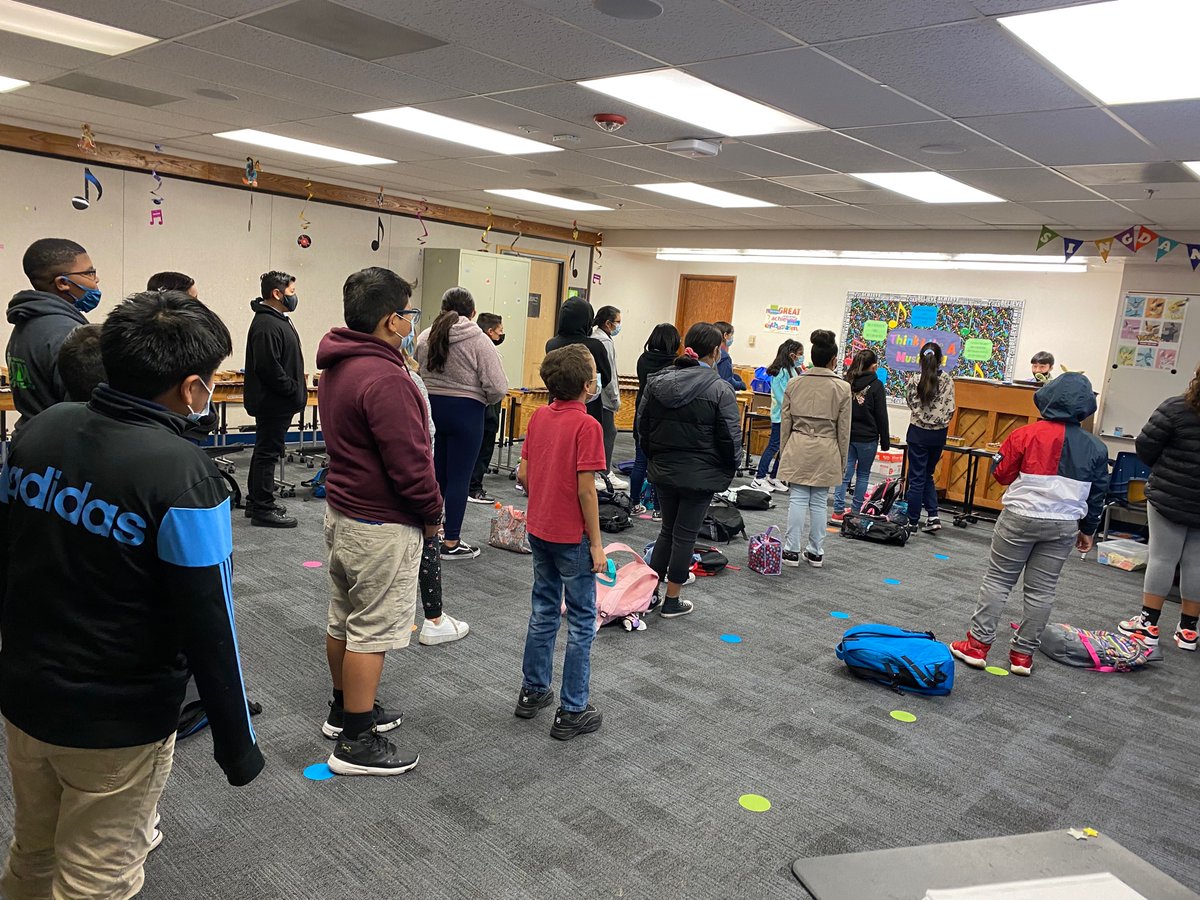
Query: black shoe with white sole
point(480, 496)
point(673, 607)
point(530, 703)
point(932, 524)
point(815, 561)
point(569, 724)
point(279, 508)
point(385, 720)
point(791, 558)
point(370, 754)
point(461, 550)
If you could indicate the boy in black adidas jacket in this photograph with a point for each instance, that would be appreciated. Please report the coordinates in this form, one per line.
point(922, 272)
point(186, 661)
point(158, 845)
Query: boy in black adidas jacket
point(115, 565)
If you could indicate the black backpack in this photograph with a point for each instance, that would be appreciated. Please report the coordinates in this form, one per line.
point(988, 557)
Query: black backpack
point(613, 517)
point(874, 528)
point(708, 560)
point(748, 498)
point(722, 525)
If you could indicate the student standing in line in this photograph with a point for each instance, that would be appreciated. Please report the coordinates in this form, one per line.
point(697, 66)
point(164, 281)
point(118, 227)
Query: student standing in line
point(492, 325)
point(788, 363)
point(383, 507)
point(605, 327)
point(1057, 475)
point(930, 396)
point(1170, 445)
point(725, 363)
point(65, 286)
point(173, 281)
point(575, 327)
point(814, 437)
point(1042, 366)
point(80, 363)
point(275, 392)
point(563, 449)
point(659, 353)
point(692, 436)
point(116, 564)
point(869, 431)
point(463, 374)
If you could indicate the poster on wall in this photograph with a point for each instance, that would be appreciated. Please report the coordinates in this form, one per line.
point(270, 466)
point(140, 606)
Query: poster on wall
point(1151, 331)
point(978, 337)
point(782, 320)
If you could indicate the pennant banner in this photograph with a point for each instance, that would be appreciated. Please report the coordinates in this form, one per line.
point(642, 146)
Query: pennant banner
point(1193, 251)
point(1071, 247)
point(1104, 247)
point(1165, 246)
point(1144, 236)
point(1133, 239)
point(1128, 237)
point(1047, 235)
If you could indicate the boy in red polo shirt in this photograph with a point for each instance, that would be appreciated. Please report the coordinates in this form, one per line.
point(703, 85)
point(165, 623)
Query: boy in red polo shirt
point(564, 447)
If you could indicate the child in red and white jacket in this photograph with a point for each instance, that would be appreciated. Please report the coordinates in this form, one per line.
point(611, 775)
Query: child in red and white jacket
point(1057, 475)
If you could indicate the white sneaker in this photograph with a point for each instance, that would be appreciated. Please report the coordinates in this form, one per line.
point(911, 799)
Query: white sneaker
point(157, 837)
point(762, 484)
point(617, 481)
point(778, 486)
point(691, 579)
point(447, 630)
point(601, 484)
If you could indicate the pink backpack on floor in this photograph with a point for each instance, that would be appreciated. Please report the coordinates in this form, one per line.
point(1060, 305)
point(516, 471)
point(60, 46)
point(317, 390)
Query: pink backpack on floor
point(630, 595)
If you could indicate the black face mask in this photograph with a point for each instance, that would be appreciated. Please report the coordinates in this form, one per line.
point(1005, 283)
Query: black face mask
point(291, 301)
point(498, 341)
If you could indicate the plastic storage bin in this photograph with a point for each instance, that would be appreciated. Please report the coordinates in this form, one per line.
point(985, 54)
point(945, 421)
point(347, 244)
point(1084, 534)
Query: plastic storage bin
point(888, 464)
point(1122, 554)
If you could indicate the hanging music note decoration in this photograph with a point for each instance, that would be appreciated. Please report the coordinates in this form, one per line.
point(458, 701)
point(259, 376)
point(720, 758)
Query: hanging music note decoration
point(378, 242)
point(574, 271)
point(86, 200)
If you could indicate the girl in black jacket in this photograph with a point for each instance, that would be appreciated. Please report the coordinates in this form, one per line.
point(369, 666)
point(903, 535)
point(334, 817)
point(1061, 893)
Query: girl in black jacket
point(691, 434)
point(1170, 445)
point(869, 430)
point(662, 347)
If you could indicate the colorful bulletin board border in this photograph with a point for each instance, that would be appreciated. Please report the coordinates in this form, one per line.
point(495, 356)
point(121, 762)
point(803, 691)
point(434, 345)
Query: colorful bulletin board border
point(978, 336)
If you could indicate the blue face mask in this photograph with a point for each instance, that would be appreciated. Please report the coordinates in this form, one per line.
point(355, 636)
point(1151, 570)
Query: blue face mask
point(193, 416)
point(90, 299)
point(409, 344)
point(616, 329)
point(729, 342)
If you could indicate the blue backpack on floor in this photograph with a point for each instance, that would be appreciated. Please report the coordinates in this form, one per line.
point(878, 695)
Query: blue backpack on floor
point(913, 662)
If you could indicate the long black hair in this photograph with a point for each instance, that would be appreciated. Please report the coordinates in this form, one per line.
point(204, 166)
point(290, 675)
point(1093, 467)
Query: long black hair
point(702, 339)
point(783, 358)
point(455, 302)
point(863, 360)
point(604, 315)
point(931, 362)
point(663, 339)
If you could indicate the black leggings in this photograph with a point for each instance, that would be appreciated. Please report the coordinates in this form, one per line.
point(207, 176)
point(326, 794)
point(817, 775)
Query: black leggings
point(683, 513)
point(429, 577)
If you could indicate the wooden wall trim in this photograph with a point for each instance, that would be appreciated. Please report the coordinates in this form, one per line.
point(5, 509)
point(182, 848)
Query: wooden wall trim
point(44, 143)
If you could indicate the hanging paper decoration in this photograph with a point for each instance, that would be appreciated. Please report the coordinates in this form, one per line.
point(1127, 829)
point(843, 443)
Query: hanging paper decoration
point(379, 197)
point(574, 271)
point(304, 223)
point(1128, 238)
point(1143, 237)
point(421, 210)
point(518, 237)
point(595, 278)
point(379, 233)
point(304, 241)
point(1071, 247)
point(1048, 234)
point(1104, 247)
point(599, 249)
point(1193, 252)
point(484, 237)
point(156, 215)
point(250, 179)
point(574, 230)
point(1133, 238)
point(1165, 246)
point(87, 140)
point(85, 201)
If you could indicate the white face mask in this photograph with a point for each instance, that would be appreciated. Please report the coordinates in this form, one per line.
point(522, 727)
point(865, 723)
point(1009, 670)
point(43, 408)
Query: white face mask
point(194, 416)
point(599, 386)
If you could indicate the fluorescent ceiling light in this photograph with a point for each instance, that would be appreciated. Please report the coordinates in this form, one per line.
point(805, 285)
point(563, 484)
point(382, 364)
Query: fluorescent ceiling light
point(698, 193)
point(550, 200)
point(875, 259)
point(1090, 44)
point(59, 28)
point(11, 84)
point(928, 187)
point(302, 148)
point(445, 128)
point(1195, 167)
point(670, 92)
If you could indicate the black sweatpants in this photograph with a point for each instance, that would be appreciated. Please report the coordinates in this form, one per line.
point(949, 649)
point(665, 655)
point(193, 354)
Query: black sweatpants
point(683, 513)
point(270, 437)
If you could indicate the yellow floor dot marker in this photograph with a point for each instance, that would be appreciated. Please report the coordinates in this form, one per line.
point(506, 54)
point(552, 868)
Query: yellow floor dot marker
point(901, 716)
point(995, 670)
point(754, 802)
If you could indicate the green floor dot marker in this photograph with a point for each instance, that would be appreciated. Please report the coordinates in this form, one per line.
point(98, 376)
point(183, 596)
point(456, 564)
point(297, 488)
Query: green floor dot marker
point(996, 670)
point(901, 716)
point(754, 802)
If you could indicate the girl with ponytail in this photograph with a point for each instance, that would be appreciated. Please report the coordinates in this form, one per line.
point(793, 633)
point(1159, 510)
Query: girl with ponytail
point(931, 399)
point(789, 361)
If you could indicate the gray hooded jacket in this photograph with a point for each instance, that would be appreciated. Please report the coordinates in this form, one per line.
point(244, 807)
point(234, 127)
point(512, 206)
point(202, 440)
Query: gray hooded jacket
point(41, 322)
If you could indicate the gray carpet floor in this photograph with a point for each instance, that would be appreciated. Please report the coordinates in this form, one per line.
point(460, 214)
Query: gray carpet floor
point(648, 806)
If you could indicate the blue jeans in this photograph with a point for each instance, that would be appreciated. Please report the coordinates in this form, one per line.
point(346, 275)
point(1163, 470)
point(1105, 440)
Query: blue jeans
point(561, 570)
point(925, 448)
point(772, 452)
point(807, 501)
point(637, 478)
point(858, 458)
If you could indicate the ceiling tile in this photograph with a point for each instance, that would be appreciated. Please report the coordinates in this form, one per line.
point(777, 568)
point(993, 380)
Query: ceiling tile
point(815, 21)
point(932, 215)
point(969, 69)
point(306, 61)
point(466, 70)
point(1162, 191)
point(17, 46)
point(106, 125)
point(811, 85)
point(1006, 7)
point(875, 217)
point(769, 191)
point(871, 196)
point(503, 116)
point(342, 30)
point(545, 174)
point(1173, 127)
point(28, 70)
point(72, 105)
point(1166, 213)
point(378, 140)
point(1024, 184)
point(751, 160)
point(1129, 173)
point(684, 33)
point(1001, 213)
point(572, 165)
point(907, 141)
point(1067, 137)
point(822, 183)
point(657, 162)
point(159, 18)
point(835, 151)
point(229, 8)
point(790, 216)
point(1086, 214)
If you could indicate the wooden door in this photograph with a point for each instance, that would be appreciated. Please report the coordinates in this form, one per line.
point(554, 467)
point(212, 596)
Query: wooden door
point(546, 284)
point(704, 298)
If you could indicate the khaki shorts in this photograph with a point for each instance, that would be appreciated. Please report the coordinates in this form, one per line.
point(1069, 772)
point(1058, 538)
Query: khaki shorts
point(373, 569)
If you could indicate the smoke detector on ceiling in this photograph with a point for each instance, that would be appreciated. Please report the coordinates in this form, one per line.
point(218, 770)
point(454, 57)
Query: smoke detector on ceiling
point(694, 149)
point(609, 122)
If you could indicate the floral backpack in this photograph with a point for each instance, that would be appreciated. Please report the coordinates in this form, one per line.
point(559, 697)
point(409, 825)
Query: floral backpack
point(508, 530)
point(1103, 651)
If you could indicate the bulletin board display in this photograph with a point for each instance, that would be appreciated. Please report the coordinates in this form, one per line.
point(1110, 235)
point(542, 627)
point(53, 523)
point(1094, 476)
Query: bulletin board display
point(978, 336)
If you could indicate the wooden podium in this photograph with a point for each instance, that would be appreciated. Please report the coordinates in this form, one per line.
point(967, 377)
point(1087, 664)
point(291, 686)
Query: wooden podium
point(987, 413)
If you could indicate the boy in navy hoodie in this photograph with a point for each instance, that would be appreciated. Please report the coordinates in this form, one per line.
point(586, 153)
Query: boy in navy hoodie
point(1057, 475)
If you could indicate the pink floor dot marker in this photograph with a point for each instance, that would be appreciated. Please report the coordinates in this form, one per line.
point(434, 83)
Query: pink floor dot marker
point(312, 564)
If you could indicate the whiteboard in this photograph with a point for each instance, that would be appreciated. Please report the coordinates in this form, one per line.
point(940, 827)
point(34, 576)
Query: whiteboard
point(1132, 392)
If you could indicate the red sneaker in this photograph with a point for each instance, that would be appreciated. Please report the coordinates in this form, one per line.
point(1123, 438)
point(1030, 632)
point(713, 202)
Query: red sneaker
point(836, 518)
point(971, 651)
point(1020, 663)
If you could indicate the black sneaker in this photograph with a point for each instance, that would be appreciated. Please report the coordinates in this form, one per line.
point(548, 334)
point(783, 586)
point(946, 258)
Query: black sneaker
point(480, 496)
point(673, 607)
point(385, 720)
point(568, 724)
point(371, 754)
point(791, 558)
point(462, 550)
point(279, 508)
point(655, 601)
point(529, 703)
point(815, 561)
point(273, 519)
point(932, 524)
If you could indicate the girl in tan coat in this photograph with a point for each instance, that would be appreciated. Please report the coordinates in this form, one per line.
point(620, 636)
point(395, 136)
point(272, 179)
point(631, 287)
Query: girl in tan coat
point(814, 435)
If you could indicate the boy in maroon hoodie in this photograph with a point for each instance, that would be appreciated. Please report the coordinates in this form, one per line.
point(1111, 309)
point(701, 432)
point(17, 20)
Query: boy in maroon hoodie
point(383, 504)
